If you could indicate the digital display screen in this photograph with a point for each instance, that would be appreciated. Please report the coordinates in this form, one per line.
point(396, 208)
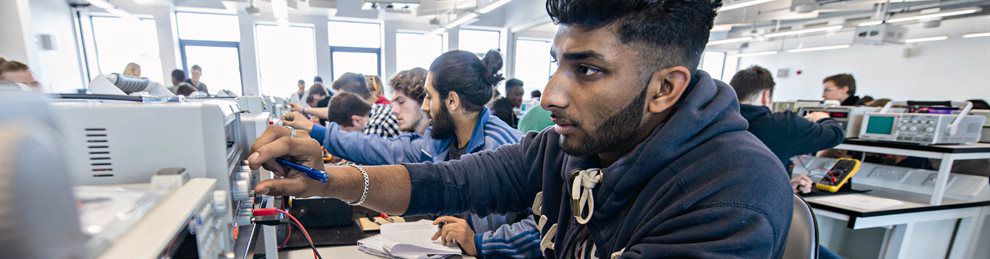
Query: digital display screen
point(838, 115)
point(883, 125)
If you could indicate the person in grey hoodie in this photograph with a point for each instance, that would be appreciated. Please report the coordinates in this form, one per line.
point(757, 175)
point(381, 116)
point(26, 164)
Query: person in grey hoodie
point(648, 157)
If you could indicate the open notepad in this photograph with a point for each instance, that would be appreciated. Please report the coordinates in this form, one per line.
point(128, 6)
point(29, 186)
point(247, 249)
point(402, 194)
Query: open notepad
point(407, 240)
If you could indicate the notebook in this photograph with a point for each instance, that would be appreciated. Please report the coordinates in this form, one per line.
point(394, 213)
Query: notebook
point(407, 240)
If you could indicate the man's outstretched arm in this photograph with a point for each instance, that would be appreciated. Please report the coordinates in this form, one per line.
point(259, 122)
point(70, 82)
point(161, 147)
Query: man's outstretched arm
point(477, 182)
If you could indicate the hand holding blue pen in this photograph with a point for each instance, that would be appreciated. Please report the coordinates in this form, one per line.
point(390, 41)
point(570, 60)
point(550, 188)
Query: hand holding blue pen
point(309, 171)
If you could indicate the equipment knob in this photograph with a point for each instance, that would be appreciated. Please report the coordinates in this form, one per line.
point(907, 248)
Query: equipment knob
point(220, 201)
point(241, 190)
point(913, 128)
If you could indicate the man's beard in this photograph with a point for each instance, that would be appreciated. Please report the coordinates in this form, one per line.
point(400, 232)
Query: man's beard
point(443, 124)
point(613, 133)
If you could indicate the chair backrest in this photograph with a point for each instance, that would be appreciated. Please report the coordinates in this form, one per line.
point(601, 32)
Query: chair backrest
point(802, 238)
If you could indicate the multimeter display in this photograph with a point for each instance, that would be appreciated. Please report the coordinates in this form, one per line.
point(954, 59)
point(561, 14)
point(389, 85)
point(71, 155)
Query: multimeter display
point(838, 175)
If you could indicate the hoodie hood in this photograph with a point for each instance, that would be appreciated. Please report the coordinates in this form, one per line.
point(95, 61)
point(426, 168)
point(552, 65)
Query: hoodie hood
point(708, 108)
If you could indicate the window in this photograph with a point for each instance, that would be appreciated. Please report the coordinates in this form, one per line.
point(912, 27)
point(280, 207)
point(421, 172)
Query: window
point(212, 42)
point(354, 47)
point(533, 64)
point(118, 41)
point(212, 27)
point(416, 50)
point(713, 62)
point(353, 34)
point(285, 55)
point(479, 42)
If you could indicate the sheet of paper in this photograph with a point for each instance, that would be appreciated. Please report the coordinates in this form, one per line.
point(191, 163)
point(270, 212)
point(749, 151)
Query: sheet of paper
point(413, 240)
point(861, 201)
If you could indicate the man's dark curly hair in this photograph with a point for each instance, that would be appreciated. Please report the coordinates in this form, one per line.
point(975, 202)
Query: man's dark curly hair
point(667, 33)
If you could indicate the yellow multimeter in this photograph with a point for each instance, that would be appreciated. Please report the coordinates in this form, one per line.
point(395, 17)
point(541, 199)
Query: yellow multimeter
point(838, 175)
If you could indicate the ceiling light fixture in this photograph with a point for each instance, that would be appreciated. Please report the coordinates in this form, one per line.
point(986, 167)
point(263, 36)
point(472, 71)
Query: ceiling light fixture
point(733, 40)
point(738, 4)
point(802, 31)
point(926, 39)
point(110, 8)
point(925, 16)
point(464, 19)
point(976, 35)
point(843, 46)
point(754, 54)
point(491, 7)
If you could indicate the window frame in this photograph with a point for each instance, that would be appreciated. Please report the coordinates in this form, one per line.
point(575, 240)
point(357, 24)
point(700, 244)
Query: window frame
point(90, 51)
point(350, 49)
point(376, 51)
point(498, 42)
point(443, 43)
point(258, 24)
point(183, 43)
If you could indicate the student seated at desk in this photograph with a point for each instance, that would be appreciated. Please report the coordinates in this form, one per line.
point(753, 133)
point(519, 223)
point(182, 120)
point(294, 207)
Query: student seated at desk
point(785, 133)
point(649, 156)
point(842, 88)
point(457, 86)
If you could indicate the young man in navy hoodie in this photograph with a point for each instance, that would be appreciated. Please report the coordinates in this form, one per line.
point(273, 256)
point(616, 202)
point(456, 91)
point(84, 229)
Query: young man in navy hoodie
point(648, 156)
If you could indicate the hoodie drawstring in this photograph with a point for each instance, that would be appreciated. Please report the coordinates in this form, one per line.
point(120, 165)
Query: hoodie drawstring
point(581, 195)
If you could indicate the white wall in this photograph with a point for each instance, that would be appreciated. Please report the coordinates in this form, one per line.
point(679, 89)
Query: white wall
point(954, 69)
point(60, 69)
point(13, 26)
point(22, 21)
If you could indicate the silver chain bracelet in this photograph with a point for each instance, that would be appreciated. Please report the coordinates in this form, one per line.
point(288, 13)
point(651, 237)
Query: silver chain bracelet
point(367, 185)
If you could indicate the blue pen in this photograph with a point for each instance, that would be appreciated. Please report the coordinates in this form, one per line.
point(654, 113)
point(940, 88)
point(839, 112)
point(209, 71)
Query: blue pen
point(309, 171)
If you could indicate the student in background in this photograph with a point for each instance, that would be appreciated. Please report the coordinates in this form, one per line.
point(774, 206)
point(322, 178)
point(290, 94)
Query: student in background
point(317, 80)
point(785, 133)
point(349, 111)
point(842, 88)
point(178, 79)
point(310, 101)
point(458, 88)
point(185, 90)
point(534, 101)
point(132, 70)
point(17, 72)
point(534, 118)
point(299, 96)
point(195, 73)
point(409, 90)
point(383, 123)
point(318, 102)
point(375, 84)
point(504, 107)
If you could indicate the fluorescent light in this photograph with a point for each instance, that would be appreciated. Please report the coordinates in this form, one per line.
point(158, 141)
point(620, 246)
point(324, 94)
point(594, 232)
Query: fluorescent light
point(976, 35)
point(101, 4)
point(926, 16)
point(936, 38)
point(802, 31)
point(820, 48)
point(738, 4)
point(753, 54)
point(464, 19)
point(106, 6)
point(870, 23)
point(493, 6)
point(438, 31)
point(733, 40)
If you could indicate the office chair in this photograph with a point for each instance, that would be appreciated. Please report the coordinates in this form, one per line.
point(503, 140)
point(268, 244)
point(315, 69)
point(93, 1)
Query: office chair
point(802, 238)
